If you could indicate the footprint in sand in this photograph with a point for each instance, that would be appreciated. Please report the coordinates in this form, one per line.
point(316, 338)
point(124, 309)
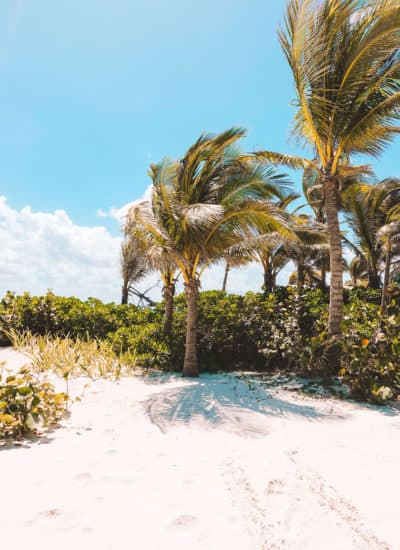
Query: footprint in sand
point(184, 522)
point(275, 487)
point(54, 513)
point(85, 476)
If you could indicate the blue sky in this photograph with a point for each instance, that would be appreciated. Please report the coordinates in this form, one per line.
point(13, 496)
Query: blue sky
point(92, 92)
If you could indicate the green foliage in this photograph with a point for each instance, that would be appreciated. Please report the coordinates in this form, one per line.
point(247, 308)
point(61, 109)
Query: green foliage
point(27, 402)
point(277, 331)
point(70, 358)
point(56, 315)
point(146, 343)
point(371, 352)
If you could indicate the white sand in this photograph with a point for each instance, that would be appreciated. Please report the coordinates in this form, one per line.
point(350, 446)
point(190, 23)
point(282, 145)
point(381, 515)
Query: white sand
point(211, 465)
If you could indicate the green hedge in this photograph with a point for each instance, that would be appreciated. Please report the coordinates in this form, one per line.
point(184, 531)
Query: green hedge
point(72, 317)
point(279, 331)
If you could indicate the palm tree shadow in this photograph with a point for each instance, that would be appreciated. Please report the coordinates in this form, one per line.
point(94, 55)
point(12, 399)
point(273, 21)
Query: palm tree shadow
point(233, 403)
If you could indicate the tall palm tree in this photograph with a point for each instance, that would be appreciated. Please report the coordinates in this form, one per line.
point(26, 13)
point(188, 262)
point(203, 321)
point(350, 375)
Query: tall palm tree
point(387, 198)
point(364, 220)
point(312, 190)
point(345, 63)
point(270, 249)
point(160, 259)
point(133, 267)
point(372, 214)
point(200, 207)
point(153, 257)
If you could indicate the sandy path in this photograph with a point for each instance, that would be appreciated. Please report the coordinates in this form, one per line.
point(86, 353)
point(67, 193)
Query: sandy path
point(209, 465)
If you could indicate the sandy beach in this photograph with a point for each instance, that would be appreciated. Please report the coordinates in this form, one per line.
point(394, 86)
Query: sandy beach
point(219, 463)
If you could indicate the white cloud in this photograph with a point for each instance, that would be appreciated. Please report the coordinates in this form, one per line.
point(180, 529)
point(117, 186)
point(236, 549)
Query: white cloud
point(47, 250)
point(41, 250)
point(120, 213)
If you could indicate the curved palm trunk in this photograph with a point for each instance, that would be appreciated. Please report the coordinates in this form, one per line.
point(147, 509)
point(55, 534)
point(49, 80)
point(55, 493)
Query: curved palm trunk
point(168, 295)
point(386, 280)
point(227, 269)
point(124, 295)
point(190, 366)
point(336, 259)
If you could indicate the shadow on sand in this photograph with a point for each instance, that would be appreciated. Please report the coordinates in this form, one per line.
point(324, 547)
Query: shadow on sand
point(232, 402)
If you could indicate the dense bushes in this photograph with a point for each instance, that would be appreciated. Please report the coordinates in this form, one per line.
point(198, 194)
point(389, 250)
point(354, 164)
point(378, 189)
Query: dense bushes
point(279, 331)
point(72, 317)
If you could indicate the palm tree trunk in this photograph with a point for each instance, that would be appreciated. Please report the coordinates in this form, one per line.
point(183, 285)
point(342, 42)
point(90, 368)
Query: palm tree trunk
point(124, 295)
point(300, 276)
point(323, 274)
point(386, 280)
point(269, 280)
point(168, 295)
point(190, 366)
point(227, 269)
point(336, 258)
point(374, 280)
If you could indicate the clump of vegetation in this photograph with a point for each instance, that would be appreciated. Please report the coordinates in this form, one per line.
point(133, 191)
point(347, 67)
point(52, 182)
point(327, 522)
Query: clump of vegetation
point(70, 358)
point(27, 403)
point(371, 351)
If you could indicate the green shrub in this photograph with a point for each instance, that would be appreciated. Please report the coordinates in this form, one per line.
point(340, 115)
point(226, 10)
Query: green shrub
point(71, 317)
point(281, 330)
point(371, 352)
point(27, 403)
point(147, 344)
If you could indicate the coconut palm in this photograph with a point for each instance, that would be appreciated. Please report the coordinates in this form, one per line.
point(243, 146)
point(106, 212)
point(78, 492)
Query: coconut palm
point(358, 271)
point(236, 257)
point(201, 206)
point(312, 190)
point(389, 234)
point(160, 259)
point(133, 267)
point(307, 250)
point(270, 249)
point(345, 63)
point(153, 257)
point(372, 214)
point(364, 220)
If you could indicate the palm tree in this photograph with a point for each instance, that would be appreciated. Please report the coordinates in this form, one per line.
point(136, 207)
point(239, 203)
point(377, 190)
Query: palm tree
point(133, 267)
point(358, 272)
point(387, 198)
point(346, 68)
point(364, 220)
point(312, 190)
point(270, 249)
point(153, 257)
point(200, 207)
point(307, 250)
point(372, 214)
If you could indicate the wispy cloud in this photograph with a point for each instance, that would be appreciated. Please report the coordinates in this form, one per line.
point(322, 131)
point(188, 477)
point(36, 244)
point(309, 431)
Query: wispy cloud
point(119, 213)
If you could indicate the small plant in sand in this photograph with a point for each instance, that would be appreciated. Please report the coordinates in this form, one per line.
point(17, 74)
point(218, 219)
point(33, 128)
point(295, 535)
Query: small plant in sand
point(70, 358)
point(27, 403)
